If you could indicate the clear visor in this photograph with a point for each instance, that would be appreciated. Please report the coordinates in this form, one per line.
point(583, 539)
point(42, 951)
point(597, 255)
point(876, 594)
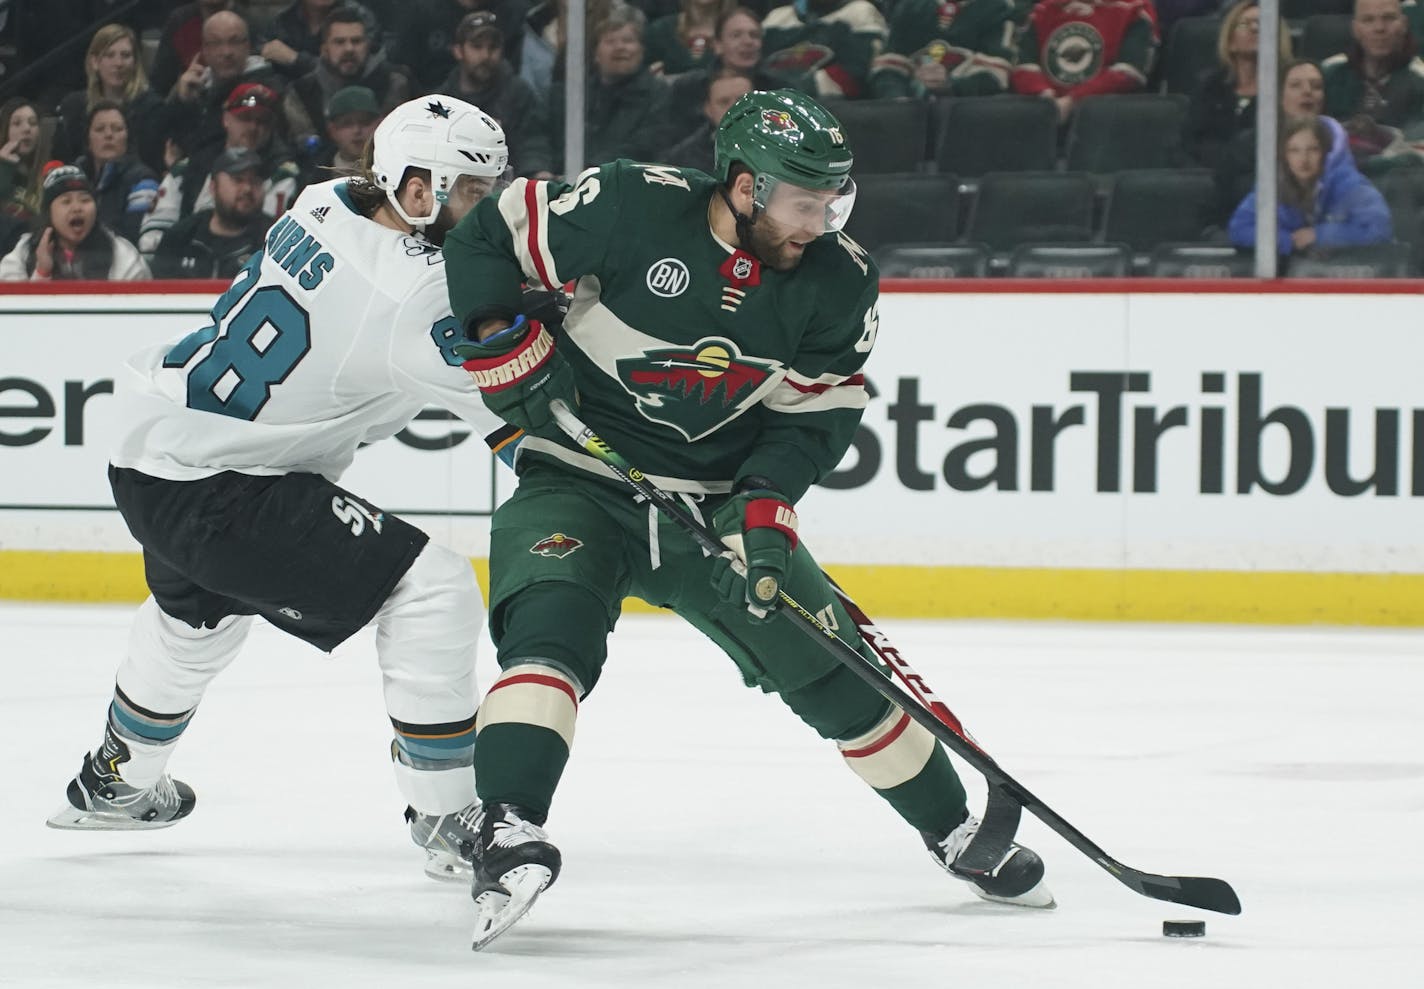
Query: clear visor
point(461, 191)
point(810, 211)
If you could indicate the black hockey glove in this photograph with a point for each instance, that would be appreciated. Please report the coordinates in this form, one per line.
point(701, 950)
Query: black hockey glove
point(519, 373)
point(759, 525)
point(548, 308)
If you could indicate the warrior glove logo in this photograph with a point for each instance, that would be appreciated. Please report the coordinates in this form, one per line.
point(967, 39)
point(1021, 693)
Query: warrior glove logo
point(696, 389)
point(556, 546)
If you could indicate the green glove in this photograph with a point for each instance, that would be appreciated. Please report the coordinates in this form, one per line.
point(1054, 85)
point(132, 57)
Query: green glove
point(519, 373)
point(758, 524)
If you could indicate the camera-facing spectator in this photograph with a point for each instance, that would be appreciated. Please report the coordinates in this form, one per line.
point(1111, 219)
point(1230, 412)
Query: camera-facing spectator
point(125, 188)
point(217, 242)
point(428, 29)
point(1224, 102)
point(1379, 75)
point(351, 119)
point(197, 102)
point(249, 119)
point(67, 241)
point(481, 76)
point(115, 72)
point(1072, 49)
point(293, 38)
point(680, 42)
point(20, 152)
point(627, 106)
point(823, 47)
point(346, 60)
point(698, 149)
point(736, 51)
point(969, 52)
point(1323, 198)
point(182, 38)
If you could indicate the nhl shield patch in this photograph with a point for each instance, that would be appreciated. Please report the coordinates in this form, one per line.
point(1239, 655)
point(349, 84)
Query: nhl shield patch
point(556, 546)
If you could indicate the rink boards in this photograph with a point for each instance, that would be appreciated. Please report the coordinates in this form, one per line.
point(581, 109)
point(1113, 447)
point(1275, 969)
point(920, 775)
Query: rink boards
point(1234, 454)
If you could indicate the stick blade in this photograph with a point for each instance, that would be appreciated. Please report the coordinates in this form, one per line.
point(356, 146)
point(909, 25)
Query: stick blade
point(1191, 891)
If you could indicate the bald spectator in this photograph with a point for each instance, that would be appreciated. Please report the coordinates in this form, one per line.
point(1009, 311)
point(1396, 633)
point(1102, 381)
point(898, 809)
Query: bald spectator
point(697, 150)
point(346, 60)
point(198, 99)
point(181, 38)
point(1379, 76)
point(481, 76)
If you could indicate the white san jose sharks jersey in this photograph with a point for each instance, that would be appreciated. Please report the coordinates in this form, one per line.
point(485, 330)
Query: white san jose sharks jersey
point(336, 334)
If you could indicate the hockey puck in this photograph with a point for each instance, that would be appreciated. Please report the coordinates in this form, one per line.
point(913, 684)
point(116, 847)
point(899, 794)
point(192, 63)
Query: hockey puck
point(1184, 928)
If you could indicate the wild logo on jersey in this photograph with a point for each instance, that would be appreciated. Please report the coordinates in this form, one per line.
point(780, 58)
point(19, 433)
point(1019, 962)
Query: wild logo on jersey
point(694, 389)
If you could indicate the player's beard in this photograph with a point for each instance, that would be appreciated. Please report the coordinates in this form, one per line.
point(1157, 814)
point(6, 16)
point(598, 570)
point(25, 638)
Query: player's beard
point(771, 246)
point(437, 228)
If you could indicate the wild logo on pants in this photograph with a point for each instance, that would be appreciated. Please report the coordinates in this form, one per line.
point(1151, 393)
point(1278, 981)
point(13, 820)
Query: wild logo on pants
point(557, 546)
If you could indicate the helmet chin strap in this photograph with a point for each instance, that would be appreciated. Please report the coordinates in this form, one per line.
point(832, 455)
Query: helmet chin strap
point(743, 222)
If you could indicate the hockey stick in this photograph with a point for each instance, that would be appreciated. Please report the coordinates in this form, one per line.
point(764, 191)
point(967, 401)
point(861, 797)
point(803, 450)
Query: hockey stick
point(1205, 893)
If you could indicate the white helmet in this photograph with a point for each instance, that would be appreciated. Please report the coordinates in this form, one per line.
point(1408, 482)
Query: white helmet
point(447, 136)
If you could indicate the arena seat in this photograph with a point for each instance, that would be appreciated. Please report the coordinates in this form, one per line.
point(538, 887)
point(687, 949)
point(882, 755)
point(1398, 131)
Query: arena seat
point(933, 260)
point(1375, 261)
point(1191, 50)
point(904, 207)
point(1070, 261)
point(1325, 35)
point(885, 135)
point(1148, 207)
point(1112, 133)
point(1013, 208)
point(997, 134)
point(1200, 261)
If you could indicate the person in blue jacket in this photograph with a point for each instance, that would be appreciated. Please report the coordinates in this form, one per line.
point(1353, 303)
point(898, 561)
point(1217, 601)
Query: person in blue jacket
point(1323, 197)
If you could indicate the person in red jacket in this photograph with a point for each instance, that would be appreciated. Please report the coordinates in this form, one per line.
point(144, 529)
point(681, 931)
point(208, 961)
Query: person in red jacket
point(1077, 48)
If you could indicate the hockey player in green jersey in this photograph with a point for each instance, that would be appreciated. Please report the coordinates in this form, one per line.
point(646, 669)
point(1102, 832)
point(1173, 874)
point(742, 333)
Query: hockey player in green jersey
point(716, 337)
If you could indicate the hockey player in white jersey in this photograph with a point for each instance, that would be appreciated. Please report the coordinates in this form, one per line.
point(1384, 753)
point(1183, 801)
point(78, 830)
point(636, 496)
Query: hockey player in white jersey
point(231, 441)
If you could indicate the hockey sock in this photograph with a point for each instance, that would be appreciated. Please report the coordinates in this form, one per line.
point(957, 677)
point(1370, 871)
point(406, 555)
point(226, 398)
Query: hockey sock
point(148, 735)
point(526, 727)
point(433, 765)
point(904, 764)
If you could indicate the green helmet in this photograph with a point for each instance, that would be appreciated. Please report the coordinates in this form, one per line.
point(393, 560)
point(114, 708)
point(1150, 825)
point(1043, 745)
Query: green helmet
point(785, 135)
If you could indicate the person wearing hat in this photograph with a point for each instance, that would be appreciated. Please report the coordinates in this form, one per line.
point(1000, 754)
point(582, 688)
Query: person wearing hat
point(249, 121)
point(482, 76)
point(194, 110)
point(351, 119)
point(427, 31)
point(348, 58)
point(67, 241)
point(217, 242)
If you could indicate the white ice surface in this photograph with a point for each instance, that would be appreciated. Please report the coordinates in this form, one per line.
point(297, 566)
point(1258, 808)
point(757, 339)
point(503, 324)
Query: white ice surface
point(710, 840)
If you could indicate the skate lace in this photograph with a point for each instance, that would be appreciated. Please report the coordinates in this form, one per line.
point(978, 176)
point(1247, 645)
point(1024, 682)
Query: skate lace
point(162, 794)
point(508, 834)
point(954, 842)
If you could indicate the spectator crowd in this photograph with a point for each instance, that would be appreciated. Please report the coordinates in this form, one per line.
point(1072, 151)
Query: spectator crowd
point(165, 140)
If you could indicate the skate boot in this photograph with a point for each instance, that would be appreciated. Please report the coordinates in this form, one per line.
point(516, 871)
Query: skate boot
point(448, 840)
point(100, 800)
point(514, 862)
point(1017, 878)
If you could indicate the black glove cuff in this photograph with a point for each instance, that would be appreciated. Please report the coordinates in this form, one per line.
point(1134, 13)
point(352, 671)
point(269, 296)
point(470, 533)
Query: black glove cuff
point(755, 482)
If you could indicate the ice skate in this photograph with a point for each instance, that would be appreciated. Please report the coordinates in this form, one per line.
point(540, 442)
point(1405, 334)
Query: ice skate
point(448, 841)
point(100, 800)
point(513, 863)
point(1017, 879)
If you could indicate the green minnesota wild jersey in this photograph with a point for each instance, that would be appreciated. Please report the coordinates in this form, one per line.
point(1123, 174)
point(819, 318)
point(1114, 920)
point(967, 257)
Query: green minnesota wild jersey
point(697, 363)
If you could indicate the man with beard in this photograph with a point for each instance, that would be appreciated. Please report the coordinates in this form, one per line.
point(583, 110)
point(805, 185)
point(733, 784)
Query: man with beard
point(248, 122)
point(228, 446)
point(346, 60)
point(716, 339)
point(217, 242)
point(481, 76)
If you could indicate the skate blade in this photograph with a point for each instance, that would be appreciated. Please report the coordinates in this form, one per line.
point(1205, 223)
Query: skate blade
point(1038, 898)
point(70, 818)
point(446, 868)
point(496, 912)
